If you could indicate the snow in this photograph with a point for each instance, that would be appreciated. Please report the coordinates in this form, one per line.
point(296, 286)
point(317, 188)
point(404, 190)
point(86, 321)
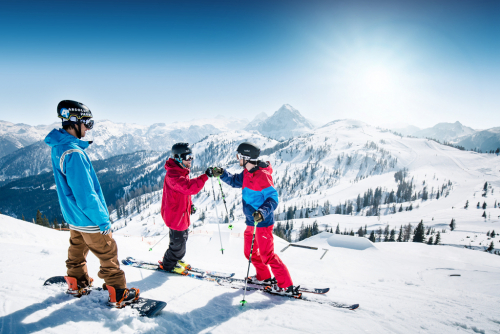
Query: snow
point(401, 287)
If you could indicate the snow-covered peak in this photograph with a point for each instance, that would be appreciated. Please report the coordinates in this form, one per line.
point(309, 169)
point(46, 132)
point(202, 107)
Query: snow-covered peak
point(286, 122)
point(260, 117)
point(445, 131)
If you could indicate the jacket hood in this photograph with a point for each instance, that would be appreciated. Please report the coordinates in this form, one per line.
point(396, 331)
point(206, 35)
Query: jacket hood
point(173, 168)
point(61, 137)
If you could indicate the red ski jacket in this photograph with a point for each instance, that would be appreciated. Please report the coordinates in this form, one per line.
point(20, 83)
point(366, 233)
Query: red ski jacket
point(177, 190)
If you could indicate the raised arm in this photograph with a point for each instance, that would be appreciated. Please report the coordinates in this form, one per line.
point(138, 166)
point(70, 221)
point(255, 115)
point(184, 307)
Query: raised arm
point(186, 185)
point(234, 180)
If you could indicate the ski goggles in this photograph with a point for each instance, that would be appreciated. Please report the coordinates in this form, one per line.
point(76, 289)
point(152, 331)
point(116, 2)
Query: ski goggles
point(88, 122)
point(240, 156)
point(187, 157)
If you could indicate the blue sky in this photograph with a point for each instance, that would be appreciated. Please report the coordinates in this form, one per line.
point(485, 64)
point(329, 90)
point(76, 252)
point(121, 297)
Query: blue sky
point(420, 62)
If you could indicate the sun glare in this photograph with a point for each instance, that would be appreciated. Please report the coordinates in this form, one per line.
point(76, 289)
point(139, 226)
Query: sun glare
point(378, 79)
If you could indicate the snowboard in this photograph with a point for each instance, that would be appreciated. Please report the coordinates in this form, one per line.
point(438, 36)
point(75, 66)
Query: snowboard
point(145, 306)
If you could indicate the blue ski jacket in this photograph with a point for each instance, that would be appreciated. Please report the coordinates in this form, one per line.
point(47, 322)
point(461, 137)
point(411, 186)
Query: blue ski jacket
point(80, 195)
point(258, 193)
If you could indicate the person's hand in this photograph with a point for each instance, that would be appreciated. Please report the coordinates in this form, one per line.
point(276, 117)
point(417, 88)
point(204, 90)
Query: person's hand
point(257, 216)
point(218, 171)
point(209, 172)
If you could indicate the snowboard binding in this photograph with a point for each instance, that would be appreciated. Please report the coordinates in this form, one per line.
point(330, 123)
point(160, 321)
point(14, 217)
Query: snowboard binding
point(119, 298)
point(74, 289)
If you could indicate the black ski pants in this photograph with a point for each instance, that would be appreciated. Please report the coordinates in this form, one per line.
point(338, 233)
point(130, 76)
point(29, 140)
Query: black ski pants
point(176, 249)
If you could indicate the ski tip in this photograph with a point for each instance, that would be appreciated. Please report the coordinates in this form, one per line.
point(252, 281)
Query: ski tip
point(126, 262)
point(354, 307)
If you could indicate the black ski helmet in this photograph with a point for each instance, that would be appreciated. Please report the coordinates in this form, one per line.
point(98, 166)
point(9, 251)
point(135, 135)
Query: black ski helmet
point(75, 113)
point(249, 151)
point(181, 150)
point(72, 111)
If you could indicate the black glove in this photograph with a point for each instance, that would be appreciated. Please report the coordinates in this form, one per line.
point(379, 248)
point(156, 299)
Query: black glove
point(209, 172)
point(257, 216)
point(193, 209)
point(218, 171)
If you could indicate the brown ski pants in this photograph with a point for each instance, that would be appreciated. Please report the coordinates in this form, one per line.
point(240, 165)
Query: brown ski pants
point(104, 248)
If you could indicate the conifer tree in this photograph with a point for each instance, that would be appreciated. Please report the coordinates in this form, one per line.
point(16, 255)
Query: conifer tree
point(430, 241)
point(438, 239)
point(419, 232)
point(400, 236)
point(491, 247)
point(484, 214)
point(493, 234)
point(337, 230)
point(23, 217)
point(484, 205)
point(372, 236)
point(46, 221)
point(39, 219)
point(379, 234)
point(392, 238)
point(452, 224)
point(386, 233)
point(55, 224)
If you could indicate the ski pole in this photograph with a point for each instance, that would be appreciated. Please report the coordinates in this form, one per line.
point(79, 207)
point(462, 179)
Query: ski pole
point(224, 199)
point(217, 213)
point(243, 302)
point(158, 242)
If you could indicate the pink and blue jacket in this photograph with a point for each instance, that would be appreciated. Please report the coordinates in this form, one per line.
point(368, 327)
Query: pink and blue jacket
point(259, 193)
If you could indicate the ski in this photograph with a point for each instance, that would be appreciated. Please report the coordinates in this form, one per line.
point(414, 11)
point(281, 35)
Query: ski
point(145, 306)
point(251, 286)
point(261, 286)
point(207, 275)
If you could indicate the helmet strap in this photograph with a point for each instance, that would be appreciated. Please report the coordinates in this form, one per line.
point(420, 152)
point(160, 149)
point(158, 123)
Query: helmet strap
point(78, 130)
point(179, 161)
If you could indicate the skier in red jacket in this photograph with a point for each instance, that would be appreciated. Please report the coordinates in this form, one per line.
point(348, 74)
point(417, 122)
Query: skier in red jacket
point(176, 205)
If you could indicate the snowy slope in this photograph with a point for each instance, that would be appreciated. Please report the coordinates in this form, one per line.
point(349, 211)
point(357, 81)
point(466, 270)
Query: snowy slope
point(401, 287)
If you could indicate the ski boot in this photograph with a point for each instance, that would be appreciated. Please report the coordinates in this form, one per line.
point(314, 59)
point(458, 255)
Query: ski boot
point(77, 290)
point(253, 279)
point(184, 264)
point(120, 297)
point(291, 291)
point(178, 269)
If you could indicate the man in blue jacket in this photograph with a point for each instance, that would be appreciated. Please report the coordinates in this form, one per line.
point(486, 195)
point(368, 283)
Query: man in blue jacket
point(84, 208)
